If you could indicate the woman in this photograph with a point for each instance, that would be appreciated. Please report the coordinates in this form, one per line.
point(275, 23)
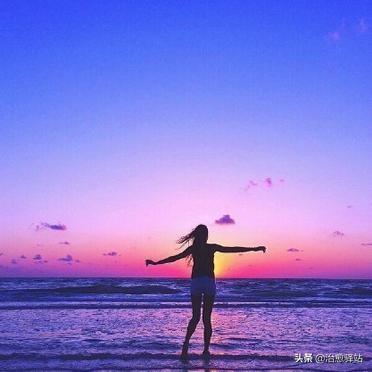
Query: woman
point(202, 279)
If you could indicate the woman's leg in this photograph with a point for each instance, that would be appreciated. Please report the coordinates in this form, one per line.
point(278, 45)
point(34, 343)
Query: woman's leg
point(208, 302)
point(196, 306)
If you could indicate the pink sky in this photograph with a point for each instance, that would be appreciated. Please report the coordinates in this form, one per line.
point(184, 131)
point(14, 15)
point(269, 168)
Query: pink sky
point(312, 243)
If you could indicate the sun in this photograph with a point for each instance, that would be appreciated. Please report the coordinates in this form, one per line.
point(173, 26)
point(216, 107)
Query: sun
point(220, 265)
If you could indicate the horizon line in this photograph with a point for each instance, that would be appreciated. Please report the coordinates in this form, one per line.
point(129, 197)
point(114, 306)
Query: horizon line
point(177, 278)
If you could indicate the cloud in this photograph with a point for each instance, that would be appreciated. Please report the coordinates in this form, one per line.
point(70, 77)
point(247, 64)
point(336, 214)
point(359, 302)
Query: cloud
point(349, 206)
point(334, 36)
point(251, 184)
point(23, 257)
point(65, 243)
point(112, 254)
point(38, 259)
point(367, 244)
point(1, 253)
point(293, 250)
point(339, 32)
point(268, 182)
point(225, 220)
point(77, 261)
point(338, 233)
point(14, 261)
point(348, 29)
point(68, 258)
point(298, 259)
point(45, 225)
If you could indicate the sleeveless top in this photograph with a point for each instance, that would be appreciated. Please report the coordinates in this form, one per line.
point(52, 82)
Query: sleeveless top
point(203, 260)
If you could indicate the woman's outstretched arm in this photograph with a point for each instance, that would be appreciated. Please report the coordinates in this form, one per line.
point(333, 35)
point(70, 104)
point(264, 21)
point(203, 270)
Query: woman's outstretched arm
point(176, 257)
point(220, 248)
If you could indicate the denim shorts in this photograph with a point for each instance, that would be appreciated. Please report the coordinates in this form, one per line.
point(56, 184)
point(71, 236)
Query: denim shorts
point(203, 285)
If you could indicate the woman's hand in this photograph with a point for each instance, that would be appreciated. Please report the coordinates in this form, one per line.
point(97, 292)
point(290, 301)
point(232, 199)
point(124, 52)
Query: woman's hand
point(150, 262)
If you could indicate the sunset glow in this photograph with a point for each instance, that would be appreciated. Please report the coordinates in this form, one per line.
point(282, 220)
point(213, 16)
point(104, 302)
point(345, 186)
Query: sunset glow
point(124, 126)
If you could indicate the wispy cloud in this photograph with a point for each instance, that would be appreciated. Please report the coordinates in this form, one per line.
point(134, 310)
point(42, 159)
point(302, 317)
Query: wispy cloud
point(65, 243)
point(251, 184)
point(367, 244)
point(266, 182)
point(14, 261)
point(225, 220)
point(68, 258)
point(348, 29)
point(337, 34)
point(338, 233)
point(23, 257)
point(293, 250)
point(112, 254)
point(362, 26)
point(298, 259)
point(334, 36)
point(46, 225)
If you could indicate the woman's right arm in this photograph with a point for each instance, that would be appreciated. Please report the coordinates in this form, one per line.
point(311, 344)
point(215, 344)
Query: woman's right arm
point(176, 257)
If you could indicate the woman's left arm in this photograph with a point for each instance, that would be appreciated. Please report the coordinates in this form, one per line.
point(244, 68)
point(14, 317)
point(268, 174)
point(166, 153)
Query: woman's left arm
point(220, 248)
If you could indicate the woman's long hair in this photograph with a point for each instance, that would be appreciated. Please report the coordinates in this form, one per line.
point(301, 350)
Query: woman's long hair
point(198, 236)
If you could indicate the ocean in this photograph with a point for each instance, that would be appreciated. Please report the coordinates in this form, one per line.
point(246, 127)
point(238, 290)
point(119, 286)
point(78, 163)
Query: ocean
point(111, 324)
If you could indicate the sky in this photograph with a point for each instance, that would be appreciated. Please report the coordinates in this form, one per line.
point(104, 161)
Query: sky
point(124, 124)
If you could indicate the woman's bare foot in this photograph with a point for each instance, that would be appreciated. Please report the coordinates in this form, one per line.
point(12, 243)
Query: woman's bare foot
point(185, 349)
point(206, 354)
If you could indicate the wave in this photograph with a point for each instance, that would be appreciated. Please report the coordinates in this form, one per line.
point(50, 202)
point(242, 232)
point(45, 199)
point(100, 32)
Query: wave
point(96, 289)
point(270, 292)
point(180, 305)
point(359, 291)
point(139, 356)
point(287, 293)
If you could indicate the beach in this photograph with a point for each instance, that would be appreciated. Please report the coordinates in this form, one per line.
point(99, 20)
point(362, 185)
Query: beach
point(139, 324)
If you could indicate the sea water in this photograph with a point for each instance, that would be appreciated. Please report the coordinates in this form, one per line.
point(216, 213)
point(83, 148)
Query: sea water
point(139, 324)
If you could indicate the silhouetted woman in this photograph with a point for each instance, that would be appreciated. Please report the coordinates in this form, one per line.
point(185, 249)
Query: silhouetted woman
point(203, 284)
